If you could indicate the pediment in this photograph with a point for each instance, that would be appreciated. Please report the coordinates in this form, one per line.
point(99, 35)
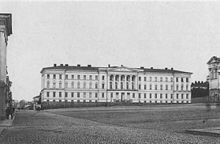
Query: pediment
point(214, 59)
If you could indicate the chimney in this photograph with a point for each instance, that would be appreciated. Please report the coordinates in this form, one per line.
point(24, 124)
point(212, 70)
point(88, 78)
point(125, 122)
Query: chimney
point(141, 67)
point(61, 64)
point(109, 65)
point(54, 65)
point(151, 68)
point(165, 68)
point(89, 66)
point(66, 65)
point(78, 65)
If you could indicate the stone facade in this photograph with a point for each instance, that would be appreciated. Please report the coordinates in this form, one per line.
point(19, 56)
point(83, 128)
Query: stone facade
point(214, 78)
point(114, 84)
point(5, 31)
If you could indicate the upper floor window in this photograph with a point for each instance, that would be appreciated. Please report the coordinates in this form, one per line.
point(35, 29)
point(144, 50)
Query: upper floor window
point(54, 85)
point(155, 87)
point(66, 84)
point(96, 77)
point(155, 79)
point(166, 87)
point(48, 94)
point(103, 95)
point(103, 86)
point(150, 87)
point(48, 76)
point(103, 77)
point(48, 84)
point(54, 94)
point(60, 76)
point(84, 85)
point(187, 79)
point(150, 78)
point(161, 87)
point(72, 76)
point(139, 78)
point(145, 87)
point(177, 79)
point(60, 84)
point(145, 79)
point(66, 94)
point(54, 76)
point(139, 86)
point(181, 79)
point(166, 79)
point(90, 77)
point(96, 85)
point(161, 79)
point(78, 85)
point(72, 84)
point(66, 76)
point(60, 94)
point(78, 77)
point(171, 79)
point(90, 85)
point(84, 77)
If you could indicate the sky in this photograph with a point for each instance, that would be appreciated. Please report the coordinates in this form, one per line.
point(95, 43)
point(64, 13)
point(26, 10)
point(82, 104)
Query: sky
point(182, 35)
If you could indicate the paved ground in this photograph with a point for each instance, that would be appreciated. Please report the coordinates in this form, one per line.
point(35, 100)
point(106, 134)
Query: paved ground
point(32, 127)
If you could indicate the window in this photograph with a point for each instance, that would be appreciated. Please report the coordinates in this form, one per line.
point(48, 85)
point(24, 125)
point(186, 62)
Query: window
point(166, 79)
point(72, 84)
point(60, 101)
point(48, 94)
point(155, 87)
point(48, 76)
point(110, 85)
point(166, 87)
point(90, 85)
point(96, 77)
point(84, 77)
point(166, 96)
point(145, 79)
point(78, 94)
point(133, 95)
point(90, 95)
point(103, 86)
point(103, 95)
point(72, 94)
point(171, 87)
point(155, 95)
point(48, 84)
point(60, 94)
point(54, 101)
point(150, 87)
point(66, 76)
point(78, 77)
point(187, 96)
point(187, 79)
point(116, 85)
point(111, 95)
point(171, 96)
point(133, 86)
point(181, 87)
point(150, 78)
point(66, 84)
point(161, 96)
point(72, 76)
point(84, 85)
point(145, 95)
point(171, 79)
point(127, 85)
point(66, 94)
point(181, 79)
point(78, 85)
point(60, 76)
point(96, 95)
point(161, 79)
point(90, 77)
point(84, 94)
point(145, 87)
point(54, 94)
point(177, 79)
point(177, 95)
point(60, 84)
point(182, 96)
point(47, 100)
point(103, 77)
point(54, 85)
point(177, 87)
point(96, 85)
point(54, 76)
point(139, 95)
point(139, 78)
point(150, 95)
point(139, 86)
point(161, 87)
point(187, 87)
point(155, 79)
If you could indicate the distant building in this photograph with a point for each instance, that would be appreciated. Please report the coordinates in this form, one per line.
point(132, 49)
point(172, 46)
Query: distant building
point(214, 78)
point(199, 89)
point(5, 83)
point(87, 84)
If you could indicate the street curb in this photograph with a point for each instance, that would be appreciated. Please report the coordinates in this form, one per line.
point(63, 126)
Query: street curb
point(214, 131)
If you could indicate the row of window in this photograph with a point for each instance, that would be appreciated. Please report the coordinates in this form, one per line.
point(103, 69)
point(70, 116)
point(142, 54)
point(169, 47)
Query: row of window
point(90, 77)
point(140, 95)
point(117, 86)
point(85, 77)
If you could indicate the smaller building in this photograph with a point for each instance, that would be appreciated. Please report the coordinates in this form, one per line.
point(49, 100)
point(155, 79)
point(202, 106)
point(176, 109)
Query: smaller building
point(199, 89)
point(214, 78)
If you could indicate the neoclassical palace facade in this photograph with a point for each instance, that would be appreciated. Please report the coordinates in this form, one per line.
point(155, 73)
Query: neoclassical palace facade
point(78, 84)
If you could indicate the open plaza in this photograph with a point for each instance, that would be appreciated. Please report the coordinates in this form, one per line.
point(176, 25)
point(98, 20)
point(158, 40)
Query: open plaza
point(158, 124)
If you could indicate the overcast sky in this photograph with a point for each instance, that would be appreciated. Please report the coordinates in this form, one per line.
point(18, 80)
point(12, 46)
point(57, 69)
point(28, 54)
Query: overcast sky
point(182, 35)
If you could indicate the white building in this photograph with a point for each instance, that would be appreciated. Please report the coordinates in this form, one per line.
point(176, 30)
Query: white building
point(114, 84)
point(214, 78)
